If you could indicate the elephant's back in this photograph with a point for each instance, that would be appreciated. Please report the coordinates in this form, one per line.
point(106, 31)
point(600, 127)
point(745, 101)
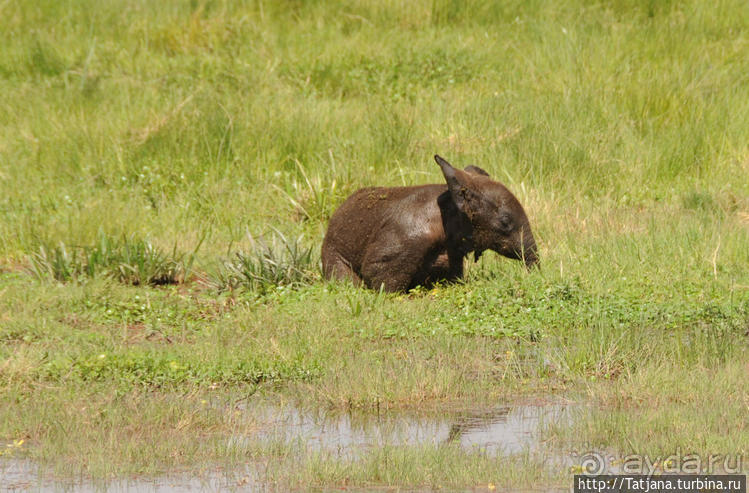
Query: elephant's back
point(356, 223)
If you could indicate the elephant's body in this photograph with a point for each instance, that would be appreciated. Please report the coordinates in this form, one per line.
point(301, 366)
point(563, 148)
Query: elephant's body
point(401, 237)
point(393, 236)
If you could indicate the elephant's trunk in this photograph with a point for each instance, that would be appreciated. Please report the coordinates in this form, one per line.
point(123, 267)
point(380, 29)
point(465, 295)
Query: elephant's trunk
point(530, 251)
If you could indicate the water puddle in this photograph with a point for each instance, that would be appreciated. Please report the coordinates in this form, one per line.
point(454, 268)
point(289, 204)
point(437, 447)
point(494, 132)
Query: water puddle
point(504, 429)
point(17, 475)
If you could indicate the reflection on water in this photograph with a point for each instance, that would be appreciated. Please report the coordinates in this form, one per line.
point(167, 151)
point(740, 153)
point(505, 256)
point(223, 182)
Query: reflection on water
point(501, 430)
point(506, 429)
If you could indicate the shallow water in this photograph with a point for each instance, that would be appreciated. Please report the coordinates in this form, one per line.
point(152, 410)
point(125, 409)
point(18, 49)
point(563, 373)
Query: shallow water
point(505, 429)
point(25, 476)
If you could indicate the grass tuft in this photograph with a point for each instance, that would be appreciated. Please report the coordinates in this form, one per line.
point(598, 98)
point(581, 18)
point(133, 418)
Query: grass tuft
point(271, 261)
point(128, 260)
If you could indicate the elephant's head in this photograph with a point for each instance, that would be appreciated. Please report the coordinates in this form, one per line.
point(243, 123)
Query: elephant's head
point(497, 219)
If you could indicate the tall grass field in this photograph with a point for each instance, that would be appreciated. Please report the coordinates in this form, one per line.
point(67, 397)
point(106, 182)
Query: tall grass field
point(168, 170)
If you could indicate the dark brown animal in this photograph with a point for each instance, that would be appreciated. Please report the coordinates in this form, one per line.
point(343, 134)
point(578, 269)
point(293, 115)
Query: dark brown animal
point(399, 238)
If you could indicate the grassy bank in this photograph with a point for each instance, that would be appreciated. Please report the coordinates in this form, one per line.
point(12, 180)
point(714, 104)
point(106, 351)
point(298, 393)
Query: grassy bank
point(167, 171)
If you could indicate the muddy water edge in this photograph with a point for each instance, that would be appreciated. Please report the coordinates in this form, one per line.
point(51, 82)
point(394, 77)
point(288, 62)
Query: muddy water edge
point(283, 431)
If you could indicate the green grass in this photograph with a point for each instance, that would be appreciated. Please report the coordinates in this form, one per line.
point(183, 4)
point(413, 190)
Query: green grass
point(279, 261)
point(127, 260)
point(167, 171)
point(665, 409)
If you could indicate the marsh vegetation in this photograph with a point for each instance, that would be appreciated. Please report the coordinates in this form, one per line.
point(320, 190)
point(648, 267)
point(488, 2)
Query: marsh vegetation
point(167, 171)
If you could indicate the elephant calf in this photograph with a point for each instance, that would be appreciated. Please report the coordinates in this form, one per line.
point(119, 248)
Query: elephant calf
point(402, 237)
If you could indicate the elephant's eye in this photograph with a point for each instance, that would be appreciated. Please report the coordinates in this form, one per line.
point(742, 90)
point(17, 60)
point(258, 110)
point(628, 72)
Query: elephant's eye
point(505, 222)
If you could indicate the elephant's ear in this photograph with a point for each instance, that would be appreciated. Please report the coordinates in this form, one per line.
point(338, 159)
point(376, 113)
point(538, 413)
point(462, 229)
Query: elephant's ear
point(475, 170)
point(458, 183)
